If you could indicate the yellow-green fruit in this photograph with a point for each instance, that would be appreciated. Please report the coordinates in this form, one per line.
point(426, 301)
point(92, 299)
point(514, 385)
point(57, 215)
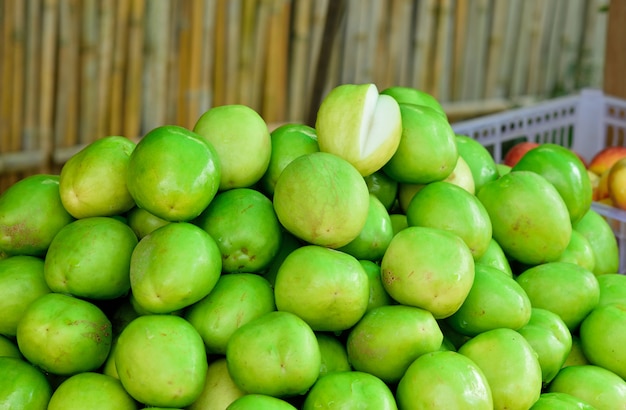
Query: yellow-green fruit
point(529, 218)
point(602, 240)
point(504, 356)
point(173, 173)
point(563, 169)
point(93, 181)
point(31, 214)
point(359, 125)
point(427, 150)
point(322, 199)
point(242, 141)
point(449, 207)
point(495, 301)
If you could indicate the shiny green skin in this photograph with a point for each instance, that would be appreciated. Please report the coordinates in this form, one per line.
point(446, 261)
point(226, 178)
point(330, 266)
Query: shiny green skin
point(173, 173)
point(289, 368)
point(576, 355)
point(449, 207)
point(322, 199)
point(143, 222)
point(350, 389)
point(8, 348)
point(560, 401)
point(327, 288)
point(375, 236)
point(31, 214)
point(378, 294)
point(22, 281)
point(91, 390)
point(427, 150)
point(245, 227)
point(289, 141)
point(479, 160)
point(551, 340)
point(422, 262)
point(334, 354)
point(510, 365)
point(174, 267)
point(288, 244)
point(444, 380)
point(612, 289)
point(161, 361)
point(602, 240)
point(529, 218)
point(22, 386)
point(603, 336)
point(579, 252)
point(64, 335)
point(242, 141)
point(562, 168)
point(599, 387)
point(385, 188)
point(494, 256)
point(410, 95)
point(93, 181)
point(236, 299)
point(90, 258)
point(566, 289)
point(495, 301)
point(259, 402)
point(389, 338)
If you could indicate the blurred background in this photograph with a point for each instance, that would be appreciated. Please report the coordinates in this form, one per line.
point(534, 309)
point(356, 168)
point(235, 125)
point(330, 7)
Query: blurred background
point(73, 71)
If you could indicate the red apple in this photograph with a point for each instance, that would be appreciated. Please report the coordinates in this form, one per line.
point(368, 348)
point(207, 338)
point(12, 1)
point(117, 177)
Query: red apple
point(517, 152)
point(605, 158)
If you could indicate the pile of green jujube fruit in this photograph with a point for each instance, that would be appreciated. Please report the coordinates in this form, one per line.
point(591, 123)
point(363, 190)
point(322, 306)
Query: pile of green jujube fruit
point(375, 260)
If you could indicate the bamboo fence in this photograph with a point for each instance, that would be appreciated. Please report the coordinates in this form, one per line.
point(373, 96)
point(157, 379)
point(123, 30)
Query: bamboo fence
point(72, 71)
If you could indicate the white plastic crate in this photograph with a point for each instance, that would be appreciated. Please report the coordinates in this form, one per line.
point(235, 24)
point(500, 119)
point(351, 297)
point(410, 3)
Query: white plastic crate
point(586, 123)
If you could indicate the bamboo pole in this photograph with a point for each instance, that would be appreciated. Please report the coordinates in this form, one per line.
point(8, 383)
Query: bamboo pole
point(120, 61)
point(460, 39)
point(372, 56)
point(401, 15)
point(193, 92)
point(89, 72)
point(221, 47)
point(615, 58)
point(497, 35)
point(31, 80)
point(174, 57)
point(298, 60)
point(510, 51)
point(233, 41)
point(332, 25)
point(206, 62)
point(351, 42)
point(275, 102)
point(183, 26)
point(549, 84)
point(6, 106)
point(318, 17)
point(543, 15)
point(247, 64)
point(132, 82)
point(105, 60)
point(48, 75)
point(442, 69)
point(261, 52)
point(476, 50)
point(569, 60)
point(594, 44)
point(423, 39)
point(18, 76)
point(66, 115)
point(157, 50)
